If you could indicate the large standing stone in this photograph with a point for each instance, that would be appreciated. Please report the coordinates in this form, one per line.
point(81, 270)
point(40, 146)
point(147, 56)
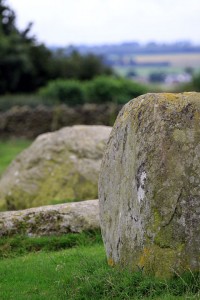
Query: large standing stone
point(149, 186)
point(59, 166)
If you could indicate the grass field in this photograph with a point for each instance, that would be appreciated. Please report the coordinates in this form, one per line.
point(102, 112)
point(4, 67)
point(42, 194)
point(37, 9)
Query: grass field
point(9, 150)
point(81, 273)
point(178, 62)
point(145, 71)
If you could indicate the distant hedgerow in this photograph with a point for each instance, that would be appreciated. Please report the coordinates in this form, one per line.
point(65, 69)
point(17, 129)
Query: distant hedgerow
point(102, 89)
point(70, 92)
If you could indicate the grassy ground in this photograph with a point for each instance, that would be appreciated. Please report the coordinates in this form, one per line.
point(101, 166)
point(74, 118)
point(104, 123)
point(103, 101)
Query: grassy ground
point(80, 273)
point(9, 150)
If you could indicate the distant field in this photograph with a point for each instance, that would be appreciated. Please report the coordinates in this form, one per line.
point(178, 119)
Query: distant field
point(176, 60)
point(177, 63)
point(145, 71)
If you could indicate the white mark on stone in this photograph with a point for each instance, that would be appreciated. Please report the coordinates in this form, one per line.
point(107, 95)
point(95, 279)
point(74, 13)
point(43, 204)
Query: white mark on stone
point(73, 157)
point(141, 191)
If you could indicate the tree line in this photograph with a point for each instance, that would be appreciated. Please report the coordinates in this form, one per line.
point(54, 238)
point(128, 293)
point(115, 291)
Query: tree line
point(26, 64)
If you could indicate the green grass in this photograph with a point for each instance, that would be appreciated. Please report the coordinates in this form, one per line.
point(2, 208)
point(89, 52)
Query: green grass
point(11, 247)
point(81, 273)
point(9, 150)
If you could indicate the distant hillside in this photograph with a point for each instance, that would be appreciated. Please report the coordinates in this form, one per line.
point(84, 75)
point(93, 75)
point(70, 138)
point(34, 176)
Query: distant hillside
point(133, 48)
point(166, 63)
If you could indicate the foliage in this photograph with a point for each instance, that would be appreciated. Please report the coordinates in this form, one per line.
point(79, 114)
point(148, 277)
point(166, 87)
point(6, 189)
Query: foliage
point(196, 82)
point(82, 273)
point(69, 92)
point(130, 89)
point(76, 66)
point(108, 89)
point(26, 65)
point(194, 85)
point(8, 151)
point(101, 89)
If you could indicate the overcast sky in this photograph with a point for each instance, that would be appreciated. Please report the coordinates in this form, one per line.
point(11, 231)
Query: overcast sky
point(65, 22)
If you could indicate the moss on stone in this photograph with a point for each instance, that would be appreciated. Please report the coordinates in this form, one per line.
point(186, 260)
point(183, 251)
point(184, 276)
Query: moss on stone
point(149, 184)
point(158, 261)
point(59, 166)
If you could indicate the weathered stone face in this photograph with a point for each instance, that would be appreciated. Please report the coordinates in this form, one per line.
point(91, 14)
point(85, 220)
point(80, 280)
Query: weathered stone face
point(58, 166)
point(149, 187)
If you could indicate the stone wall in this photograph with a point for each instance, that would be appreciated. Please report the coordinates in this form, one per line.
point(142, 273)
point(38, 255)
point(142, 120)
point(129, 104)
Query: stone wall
point(29, 122)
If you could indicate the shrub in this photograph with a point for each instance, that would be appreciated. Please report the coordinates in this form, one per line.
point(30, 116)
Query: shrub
point(129, 89)
point(196, 82)
point(70, 92)
point(194, 85)
point(108, 89)
point(102, 89)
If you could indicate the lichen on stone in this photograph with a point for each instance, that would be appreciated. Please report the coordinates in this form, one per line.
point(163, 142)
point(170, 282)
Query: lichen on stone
point(58, 166)
point(149, 185)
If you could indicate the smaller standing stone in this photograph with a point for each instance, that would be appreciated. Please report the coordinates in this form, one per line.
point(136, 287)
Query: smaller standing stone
point(59, 166)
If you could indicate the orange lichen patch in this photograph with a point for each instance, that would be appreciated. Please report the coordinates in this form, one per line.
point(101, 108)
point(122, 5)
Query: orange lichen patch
point(111, 262)
point(144, 257)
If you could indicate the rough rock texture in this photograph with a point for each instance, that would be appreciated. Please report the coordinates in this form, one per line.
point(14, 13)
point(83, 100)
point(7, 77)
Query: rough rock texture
point(57, 167)
point(149, 188)
point(51, 220)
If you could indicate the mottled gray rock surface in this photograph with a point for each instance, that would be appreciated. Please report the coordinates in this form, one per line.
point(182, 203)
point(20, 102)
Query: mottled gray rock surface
point(149, 188)
point(58, 166)
point(51, 220)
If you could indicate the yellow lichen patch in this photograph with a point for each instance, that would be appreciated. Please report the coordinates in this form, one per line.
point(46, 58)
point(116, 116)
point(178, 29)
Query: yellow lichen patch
point(111, 262)
point(197, 115)
point(144, 257)
point(171, 97)
point(157, 261)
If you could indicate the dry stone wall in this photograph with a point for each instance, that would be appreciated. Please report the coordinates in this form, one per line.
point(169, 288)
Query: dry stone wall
point(29, 122)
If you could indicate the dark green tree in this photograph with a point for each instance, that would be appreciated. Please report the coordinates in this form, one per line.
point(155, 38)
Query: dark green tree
point(82, 67)
point(26, 65)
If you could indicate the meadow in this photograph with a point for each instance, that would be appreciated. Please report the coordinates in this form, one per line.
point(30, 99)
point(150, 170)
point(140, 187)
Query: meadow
point(79, 272)
point(178, 62)
point(74, 266)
